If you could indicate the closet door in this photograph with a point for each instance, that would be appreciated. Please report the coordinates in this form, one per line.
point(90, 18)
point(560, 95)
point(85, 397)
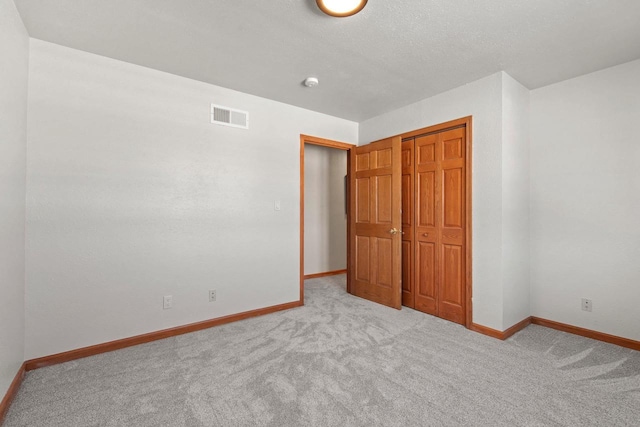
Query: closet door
point(427, 223)
point(451, 218)
point(439, 232)
point(408, 214)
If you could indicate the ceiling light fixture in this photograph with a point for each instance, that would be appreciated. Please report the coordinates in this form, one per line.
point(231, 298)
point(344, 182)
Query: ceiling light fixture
point(341, 8)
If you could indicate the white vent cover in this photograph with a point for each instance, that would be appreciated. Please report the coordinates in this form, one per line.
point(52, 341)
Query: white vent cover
point(229, 117)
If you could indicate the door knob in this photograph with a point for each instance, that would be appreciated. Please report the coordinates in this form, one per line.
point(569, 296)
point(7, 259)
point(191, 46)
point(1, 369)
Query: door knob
point(425, 234)
point(393, 231)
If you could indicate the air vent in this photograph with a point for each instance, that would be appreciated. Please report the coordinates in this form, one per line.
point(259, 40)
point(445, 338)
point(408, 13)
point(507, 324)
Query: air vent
point(229, 117)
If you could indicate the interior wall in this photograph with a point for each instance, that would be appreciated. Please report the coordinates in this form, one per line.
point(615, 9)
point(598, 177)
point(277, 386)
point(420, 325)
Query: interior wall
point(515, 201)
point(14, 55)
point(481, 99)
point(325, 220)
point(585, 200)
point(133, 195)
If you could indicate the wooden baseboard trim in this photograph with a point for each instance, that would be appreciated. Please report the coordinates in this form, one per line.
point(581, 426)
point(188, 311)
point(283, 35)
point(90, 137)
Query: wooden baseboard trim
point(516, 328)
point(11, 392)
point(600, 336)
point(328, 273)
point(501, 335)
point(66, 356)
point(493, 333)
point(588, 333)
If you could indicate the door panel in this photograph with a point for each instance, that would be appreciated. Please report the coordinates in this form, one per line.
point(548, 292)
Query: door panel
point(407, 186)
point(384, 267)
point(452, 289)
point(452, 274)
point(362, 260)
point(426, 230)
point(452, 285)
point(453, 147)
point(438, 268)
point(426, 192)
point(407, 289)
point(426, 286)
point(408, 215)
point(376, 221)
point(426, 150)
point(383, 158)
point(453, 214)
point(362, 162)
point(383, 199)
point(363, 204)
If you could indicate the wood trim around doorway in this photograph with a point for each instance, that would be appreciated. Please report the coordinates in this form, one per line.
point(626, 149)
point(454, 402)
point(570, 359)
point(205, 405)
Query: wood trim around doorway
point(314, 140)
point(465, 122)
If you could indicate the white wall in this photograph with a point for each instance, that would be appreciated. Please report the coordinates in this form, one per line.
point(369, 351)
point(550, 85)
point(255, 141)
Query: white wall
point(515, 201)
point(14, 66)
point(325, 220)
point(481, 99)
point(585, 200)
point(132, 194)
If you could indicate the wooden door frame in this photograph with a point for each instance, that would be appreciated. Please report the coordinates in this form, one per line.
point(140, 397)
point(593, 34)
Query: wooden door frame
point(314, 140)
point(465, 122)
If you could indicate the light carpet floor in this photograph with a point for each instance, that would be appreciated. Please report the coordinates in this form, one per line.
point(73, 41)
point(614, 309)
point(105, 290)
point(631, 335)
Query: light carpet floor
point(341, 361)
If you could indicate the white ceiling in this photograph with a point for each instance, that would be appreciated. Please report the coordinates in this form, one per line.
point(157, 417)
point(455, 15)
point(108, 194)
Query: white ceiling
point(393, 53)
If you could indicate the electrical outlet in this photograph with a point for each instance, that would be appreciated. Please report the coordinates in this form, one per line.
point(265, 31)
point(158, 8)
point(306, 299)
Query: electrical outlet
point(167, 302)
point(212, 295)
point(587, 304)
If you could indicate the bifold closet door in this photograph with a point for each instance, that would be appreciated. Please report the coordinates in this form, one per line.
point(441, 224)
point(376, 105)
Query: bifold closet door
point(439, 230)
point(408, 215)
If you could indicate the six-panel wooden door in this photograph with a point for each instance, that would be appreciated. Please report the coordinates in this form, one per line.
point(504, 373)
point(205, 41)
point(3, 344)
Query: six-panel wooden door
point(408, 215)
point(375, 222)
point(434, 182)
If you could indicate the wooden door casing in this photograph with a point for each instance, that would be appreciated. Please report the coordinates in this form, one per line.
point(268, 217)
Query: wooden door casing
point(375, 203)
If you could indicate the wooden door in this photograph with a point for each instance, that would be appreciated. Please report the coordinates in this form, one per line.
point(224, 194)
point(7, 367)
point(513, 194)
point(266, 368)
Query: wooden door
point(408, 215)
point(452, 217)
point(375, 222)
point(427, 224)
point(440, 224)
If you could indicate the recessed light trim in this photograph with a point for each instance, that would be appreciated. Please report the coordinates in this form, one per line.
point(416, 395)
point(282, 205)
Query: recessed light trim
point(341, 8)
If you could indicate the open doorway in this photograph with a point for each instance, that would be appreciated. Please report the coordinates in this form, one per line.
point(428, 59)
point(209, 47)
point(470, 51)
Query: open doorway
point(323, 208)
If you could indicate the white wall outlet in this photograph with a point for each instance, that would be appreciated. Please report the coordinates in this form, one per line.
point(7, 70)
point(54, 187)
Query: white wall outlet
point(212, 295)
point(167, 302)
point(587, 304)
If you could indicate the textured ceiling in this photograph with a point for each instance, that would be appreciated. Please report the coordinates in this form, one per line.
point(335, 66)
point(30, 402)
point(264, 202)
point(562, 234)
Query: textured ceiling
point(391, 54)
